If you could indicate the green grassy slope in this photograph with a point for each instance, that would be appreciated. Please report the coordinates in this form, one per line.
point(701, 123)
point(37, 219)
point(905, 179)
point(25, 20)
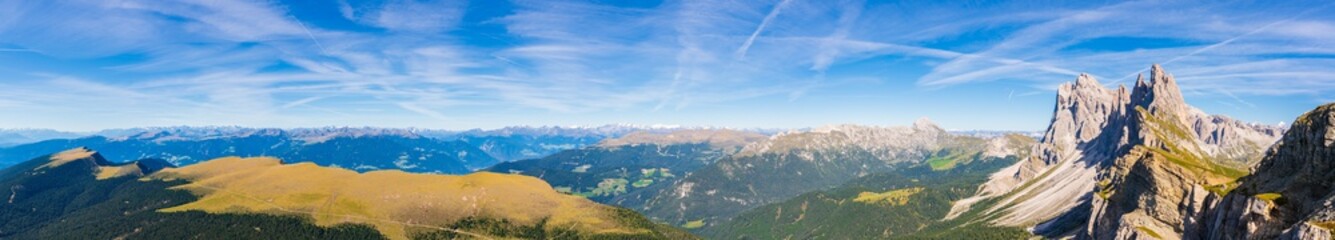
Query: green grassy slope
point(67, 202)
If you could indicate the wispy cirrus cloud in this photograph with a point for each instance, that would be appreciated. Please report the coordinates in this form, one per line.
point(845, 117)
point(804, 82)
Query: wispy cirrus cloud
point(414, 62)
point(741, 51)
point(406, 15)
point(1220, 39)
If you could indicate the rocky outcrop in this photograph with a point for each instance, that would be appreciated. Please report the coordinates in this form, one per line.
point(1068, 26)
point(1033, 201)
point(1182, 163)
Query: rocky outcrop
point(1233, 141)
point(1155, 184)
point(1118, 164)
point(102, 168)
point(1057, 177)
point(888, 143)
point(1291, 193)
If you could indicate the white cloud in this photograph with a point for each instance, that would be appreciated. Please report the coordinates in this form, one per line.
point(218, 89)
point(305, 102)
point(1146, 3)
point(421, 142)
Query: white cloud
point(421, 16)
point(214, 59)
point(1239, 54)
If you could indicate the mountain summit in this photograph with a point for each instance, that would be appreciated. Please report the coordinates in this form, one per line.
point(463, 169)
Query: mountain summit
point(1160, 94)
point(1104, 143)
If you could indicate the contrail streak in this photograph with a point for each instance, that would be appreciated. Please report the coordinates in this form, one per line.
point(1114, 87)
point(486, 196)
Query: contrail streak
point(741, 52)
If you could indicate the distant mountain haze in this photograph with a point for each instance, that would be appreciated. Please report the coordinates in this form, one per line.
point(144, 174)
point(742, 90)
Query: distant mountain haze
point(361, 149)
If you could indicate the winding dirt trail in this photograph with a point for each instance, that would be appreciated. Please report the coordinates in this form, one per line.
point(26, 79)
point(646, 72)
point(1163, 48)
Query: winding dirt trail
point(13, 191)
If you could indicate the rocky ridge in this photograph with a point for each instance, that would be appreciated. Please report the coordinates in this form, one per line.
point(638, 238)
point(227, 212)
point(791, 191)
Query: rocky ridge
point(1291, 194)
point(884, 142)
point(727, 139)
point(1102, 168)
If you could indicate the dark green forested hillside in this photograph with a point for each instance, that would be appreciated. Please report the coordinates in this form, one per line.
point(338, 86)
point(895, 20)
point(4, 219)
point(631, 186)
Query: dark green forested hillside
point(907, 203)
point(737, 183)
point(613, 174)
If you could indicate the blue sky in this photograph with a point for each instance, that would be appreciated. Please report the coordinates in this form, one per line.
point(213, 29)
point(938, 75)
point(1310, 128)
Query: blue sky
point(84, 65)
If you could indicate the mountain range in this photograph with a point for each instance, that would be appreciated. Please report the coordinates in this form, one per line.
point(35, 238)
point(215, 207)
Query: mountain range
point(362, 151)
point(702, 179)
point(11, 137)
point(413, 150)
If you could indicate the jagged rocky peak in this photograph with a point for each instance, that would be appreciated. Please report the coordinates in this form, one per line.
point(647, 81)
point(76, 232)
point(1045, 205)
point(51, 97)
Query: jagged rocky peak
point(1080, 114)
point(925, 123)
point(1084, 79)
point(1290, 195)
point(1160, 95)
point(1082, 108)
point(1162, 177)
point(1081, 111)
point(1112, 139)
point(1219, 137)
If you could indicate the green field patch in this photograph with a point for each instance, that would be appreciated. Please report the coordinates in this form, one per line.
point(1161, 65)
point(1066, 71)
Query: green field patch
point(1269, 197)
point(948, 160)
point(694, 224)
point(1147, 231)
point(642, 183)
point(941, 163)
point(1222, 189)
point(610, 187)
point(893, 197)
point(665, 172)
point(1105, 189)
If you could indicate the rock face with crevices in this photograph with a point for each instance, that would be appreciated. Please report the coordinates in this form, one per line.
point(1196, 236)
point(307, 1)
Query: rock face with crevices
point(1291, 194)
point(1156, 183)
point(1122, 164)
point(1053, 180)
